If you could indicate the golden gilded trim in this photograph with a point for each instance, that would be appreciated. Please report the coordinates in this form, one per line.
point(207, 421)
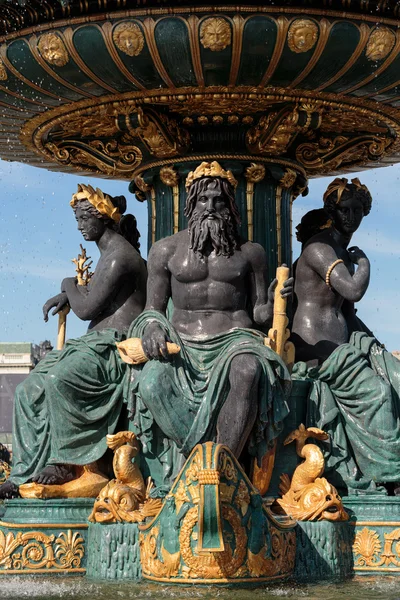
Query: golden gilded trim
point(4, 524)
point(149, 26)
point(193, 26)
point(3, 71)
point(364, 33)
point(254, 174)
point(317, 112)
point(215, 33)
point(37, 551)
point(169, 176)
point(68, 35)
point(252, 10)
point(128, 38)
point(302, 35)
point(282, 24)
point(278, 210)
point(368, 554)
point(220, 580)
point(53, 50)
point(238, 511)
point(237, 26)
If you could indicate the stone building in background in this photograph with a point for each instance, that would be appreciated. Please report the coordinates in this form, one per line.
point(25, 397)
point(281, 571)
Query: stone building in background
point(16, 362)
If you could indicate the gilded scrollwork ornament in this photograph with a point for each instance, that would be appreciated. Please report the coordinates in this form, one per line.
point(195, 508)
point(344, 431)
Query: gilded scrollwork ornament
point(35, 550)
point(302, 35)
point(53, 50)
point(380, 43)
point(108, 158)
point(215, 34)
point(128, 38)
point(3, 72)
point(371, 551)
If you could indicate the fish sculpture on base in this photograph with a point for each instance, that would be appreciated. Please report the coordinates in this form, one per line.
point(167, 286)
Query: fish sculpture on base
point(308, 496)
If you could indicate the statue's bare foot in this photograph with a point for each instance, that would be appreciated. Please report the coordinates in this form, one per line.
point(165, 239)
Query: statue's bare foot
point(8, 490)
point(55, 475)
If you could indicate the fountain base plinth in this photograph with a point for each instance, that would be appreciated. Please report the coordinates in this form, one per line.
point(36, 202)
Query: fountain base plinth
point(375, 520)
point(44, 537)
point(114, 552)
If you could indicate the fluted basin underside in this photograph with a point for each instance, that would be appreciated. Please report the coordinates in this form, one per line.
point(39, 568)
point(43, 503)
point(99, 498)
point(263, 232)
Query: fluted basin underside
point(117, 93)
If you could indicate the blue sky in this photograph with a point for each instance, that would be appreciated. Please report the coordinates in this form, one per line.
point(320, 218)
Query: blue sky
point(38, 239)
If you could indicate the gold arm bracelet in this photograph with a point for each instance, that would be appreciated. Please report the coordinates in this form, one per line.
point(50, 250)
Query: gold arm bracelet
point(329, 271)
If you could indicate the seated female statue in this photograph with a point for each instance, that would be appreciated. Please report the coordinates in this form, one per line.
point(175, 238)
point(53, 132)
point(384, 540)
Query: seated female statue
point(73, 398)
point(354, 382)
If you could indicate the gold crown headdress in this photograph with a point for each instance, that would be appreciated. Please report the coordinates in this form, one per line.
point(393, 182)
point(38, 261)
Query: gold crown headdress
point(339, 185)
point(207, 169)
point(97, 198)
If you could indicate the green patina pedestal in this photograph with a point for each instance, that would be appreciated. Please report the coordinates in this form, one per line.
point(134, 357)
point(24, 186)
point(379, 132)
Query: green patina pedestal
point(278, 93)
point(114, 553)
point(375, 521)
point(44, 537)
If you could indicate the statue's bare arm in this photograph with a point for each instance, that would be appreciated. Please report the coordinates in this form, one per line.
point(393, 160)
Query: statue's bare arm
point(320, 257)
point(262, 295)
point(88, 302)
point(158, 293)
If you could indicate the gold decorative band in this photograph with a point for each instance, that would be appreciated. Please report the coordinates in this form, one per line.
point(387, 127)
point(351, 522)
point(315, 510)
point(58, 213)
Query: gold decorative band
point(44, 525)
point(329, 272)
point(208, 477)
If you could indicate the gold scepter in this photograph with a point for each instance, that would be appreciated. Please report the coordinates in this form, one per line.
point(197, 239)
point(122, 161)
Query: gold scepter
point(83, 275)
point(278, 335)
point(277, 340)
point(62, 326)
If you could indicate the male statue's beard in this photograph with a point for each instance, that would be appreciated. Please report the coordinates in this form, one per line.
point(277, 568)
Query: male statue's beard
point(220, 231)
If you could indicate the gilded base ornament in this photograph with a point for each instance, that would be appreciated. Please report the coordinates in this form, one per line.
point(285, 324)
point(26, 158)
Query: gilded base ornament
point(369, 553)
point(213, 527)
point(309, 497)
point(36, 551)
point(125, 498)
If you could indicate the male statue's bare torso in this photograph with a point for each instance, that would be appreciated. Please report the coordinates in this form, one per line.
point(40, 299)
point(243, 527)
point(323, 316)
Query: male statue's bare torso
point(210, 293)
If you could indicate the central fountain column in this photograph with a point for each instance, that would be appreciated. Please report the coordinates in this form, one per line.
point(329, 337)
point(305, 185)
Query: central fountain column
point(264, 195)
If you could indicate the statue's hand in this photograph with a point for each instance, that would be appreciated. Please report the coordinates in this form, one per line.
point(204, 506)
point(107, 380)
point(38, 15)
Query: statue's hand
point(58, 302)
point(356, 254)
point(287, 289)
point(154, 342)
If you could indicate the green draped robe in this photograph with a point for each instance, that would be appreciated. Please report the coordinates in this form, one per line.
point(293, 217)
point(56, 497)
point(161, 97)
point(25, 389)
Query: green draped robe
point(67, 405)
point(354, 396)
point(183, 396)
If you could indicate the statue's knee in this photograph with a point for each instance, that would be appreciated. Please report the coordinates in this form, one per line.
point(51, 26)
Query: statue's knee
point(245, 368)
point(150, 380)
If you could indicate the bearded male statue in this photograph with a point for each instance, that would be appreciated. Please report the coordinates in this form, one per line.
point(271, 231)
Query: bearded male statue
point(225, 385)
